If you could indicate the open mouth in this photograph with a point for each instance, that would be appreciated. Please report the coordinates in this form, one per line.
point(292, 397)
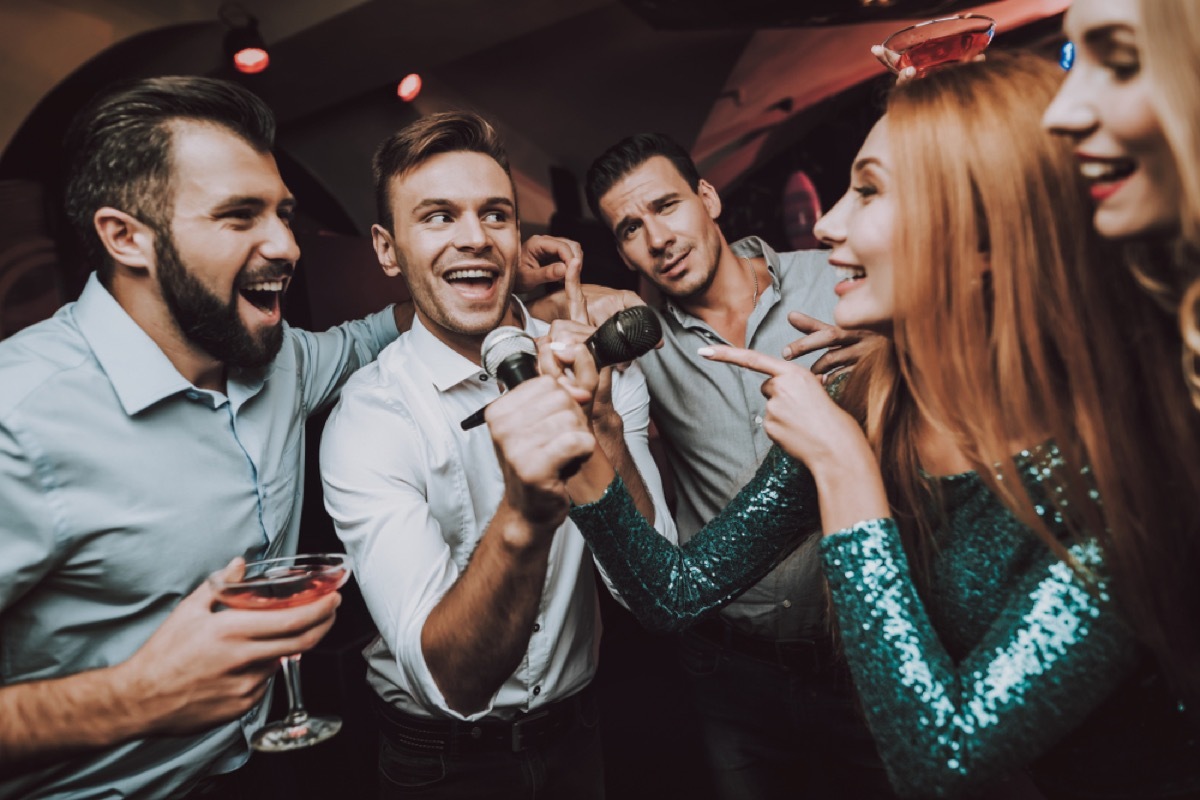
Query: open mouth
point(850, 274)
point(264, 295)
point(672, 264)
point(472, 280)
point(1107, 170)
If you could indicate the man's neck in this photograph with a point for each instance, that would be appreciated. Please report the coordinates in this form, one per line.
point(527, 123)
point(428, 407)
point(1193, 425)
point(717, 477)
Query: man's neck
point(466, 345)
point(728, 302)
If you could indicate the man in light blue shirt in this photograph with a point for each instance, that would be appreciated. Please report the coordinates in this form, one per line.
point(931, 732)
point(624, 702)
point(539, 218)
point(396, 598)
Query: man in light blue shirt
point(149, 434)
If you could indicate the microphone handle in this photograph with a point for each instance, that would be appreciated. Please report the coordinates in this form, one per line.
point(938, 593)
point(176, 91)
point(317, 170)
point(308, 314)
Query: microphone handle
point(475, 420)
point(513, 370)
point(517, 369)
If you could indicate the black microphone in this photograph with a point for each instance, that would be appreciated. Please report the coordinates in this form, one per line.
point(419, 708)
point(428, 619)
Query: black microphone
point(626, 335)
point(510, 356)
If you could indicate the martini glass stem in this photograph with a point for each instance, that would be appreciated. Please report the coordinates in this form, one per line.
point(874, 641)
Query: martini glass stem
point(297, 715)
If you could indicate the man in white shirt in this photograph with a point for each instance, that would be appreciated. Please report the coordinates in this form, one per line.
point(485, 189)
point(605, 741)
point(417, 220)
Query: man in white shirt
point(482, 591)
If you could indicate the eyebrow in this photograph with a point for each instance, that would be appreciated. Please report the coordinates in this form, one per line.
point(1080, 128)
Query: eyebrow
point(442, 202)
point(251, 201)
point(1106, 30)
point(863, 163)
point(655, 204)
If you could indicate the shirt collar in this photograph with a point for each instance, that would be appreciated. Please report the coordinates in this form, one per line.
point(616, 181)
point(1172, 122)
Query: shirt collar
point(140, 373)
point(446, 367)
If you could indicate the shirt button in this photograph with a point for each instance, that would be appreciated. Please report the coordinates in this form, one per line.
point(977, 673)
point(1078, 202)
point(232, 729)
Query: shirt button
point(537, 626)
point(483, 376)
point(476, 732)
point(757, 420)
point(786, 604)
point(193, 395)
point(537, 690)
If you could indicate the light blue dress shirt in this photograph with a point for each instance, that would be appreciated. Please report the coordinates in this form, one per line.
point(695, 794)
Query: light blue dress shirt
point(122, 487)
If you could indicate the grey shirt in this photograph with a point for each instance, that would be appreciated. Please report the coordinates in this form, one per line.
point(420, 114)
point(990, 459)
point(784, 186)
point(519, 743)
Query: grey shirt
point(710, 418)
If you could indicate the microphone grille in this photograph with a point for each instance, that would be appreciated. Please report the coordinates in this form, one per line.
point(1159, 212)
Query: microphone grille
point(502, 343)
point(632, 332)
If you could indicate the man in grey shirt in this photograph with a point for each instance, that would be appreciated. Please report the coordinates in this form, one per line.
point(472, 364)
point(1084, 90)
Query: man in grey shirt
point(777, 710)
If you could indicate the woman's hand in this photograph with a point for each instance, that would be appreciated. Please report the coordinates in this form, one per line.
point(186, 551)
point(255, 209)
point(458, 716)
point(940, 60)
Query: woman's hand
point(803, 419)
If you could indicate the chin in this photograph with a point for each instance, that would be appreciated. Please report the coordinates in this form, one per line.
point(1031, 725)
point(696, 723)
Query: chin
point(860, 319)
point(1124, 226)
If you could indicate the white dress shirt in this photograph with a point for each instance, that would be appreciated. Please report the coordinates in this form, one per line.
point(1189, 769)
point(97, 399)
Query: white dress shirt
point(411, 493)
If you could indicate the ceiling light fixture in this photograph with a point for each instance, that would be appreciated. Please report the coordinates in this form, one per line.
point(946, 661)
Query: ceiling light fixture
point(244, 45)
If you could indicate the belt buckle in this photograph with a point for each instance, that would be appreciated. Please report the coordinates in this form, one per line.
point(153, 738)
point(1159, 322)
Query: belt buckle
point(518, 735)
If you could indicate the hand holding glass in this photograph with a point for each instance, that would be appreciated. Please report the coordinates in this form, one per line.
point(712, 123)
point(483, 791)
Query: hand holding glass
point(285, 583)
point(938, 43)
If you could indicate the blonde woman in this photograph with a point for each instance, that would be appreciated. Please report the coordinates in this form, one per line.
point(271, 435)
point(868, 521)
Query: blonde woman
point(957, 483)
point(1130, 105)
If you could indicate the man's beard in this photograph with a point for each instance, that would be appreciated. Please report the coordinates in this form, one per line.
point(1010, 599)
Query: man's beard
point(208, 322)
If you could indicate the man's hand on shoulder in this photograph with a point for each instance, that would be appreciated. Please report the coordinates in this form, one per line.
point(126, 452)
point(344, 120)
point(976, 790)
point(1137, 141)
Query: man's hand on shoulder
point(845, 346)
point(546, 259)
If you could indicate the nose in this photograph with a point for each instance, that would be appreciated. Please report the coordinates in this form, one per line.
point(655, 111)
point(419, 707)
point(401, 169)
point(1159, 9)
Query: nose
point(830, 229)
point(469, 233)
point(280, 243)
point(659, 236)
point(1071, 113)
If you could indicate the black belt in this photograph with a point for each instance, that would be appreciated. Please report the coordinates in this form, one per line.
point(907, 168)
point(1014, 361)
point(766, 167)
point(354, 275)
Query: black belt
point(485, 735)
point(799, 655)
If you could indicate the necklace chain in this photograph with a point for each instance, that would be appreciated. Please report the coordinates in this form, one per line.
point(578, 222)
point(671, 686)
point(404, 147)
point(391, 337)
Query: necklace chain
point(754, 275)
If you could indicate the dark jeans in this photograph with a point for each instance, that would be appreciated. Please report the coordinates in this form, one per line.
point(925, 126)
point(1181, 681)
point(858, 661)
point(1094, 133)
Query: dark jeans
point(568, 766)
point(782, 729)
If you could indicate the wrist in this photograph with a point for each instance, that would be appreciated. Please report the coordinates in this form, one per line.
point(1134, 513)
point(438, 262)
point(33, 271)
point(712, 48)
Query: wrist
point(522, 534)
point(850, 489)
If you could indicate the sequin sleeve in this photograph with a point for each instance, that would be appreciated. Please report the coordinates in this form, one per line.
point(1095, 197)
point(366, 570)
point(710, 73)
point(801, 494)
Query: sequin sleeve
point(669, 587)
point(1056, 650)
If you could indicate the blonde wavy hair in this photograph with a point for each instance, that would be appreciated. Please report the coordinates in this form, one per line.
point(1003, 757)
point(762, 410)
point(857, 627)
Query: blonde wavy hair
point(1019, 325)
point(1172, 62)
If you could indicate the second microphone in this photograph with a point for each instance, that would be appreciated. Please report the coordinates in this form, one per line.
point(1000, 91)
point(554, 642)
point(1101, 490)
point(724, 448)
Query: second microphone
point(510, 355)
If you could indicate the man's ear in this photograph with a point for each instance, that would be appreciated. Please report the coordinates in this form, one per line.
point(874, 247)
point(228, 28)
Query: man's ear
point(710, 198)
point(128, 240)
point(385, 250)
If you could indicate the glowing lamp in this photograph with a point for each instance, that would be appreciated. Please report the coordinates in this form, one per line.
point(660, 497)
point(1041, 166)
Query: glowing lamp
point(251, 60)
point(243, 44)
point(409, 88)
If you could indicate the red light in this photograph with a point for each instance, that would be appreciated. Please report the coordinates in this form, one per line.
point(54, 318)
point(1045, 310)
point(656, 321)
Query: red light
point(251, 60)
point(409, 88)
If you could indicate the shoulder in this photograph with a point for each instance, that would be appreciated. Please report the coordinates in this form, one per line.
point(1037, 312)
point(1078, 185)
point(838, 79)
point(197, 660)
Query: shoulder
point(33, 360)
point(807, 263)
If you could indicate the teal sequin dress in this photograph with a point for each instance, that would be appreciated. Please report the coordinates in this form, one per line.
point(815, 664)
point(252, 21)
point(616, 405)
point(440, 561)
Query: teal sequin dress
point(1007, 653)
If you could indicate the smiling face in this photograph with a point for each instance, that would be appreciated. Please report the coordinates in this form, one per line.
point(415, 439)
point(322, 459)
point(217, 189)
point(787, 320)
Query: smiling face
point(1105, 106)
point(227, 259)
point(456, 240)
point(860, 230)
point(664, 229)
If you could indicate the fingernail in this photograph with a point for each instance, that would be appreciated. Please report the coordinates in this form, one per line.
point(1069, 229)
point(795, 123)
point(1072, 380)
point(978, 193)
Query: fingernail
point(787, 354)
point(705, 351)
point(558, 347)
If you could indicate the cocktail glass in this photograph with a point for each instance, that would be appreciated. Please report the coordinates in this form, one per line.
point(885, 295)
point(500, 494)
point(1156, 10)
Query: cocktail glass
point(284, 583)
point(939, 42)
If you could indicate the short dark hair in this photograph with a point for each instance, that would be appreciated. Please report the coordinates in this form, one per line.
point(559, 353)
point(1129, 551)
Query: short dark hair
point(431, 135)
point(119, 147)
point(627, 155)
